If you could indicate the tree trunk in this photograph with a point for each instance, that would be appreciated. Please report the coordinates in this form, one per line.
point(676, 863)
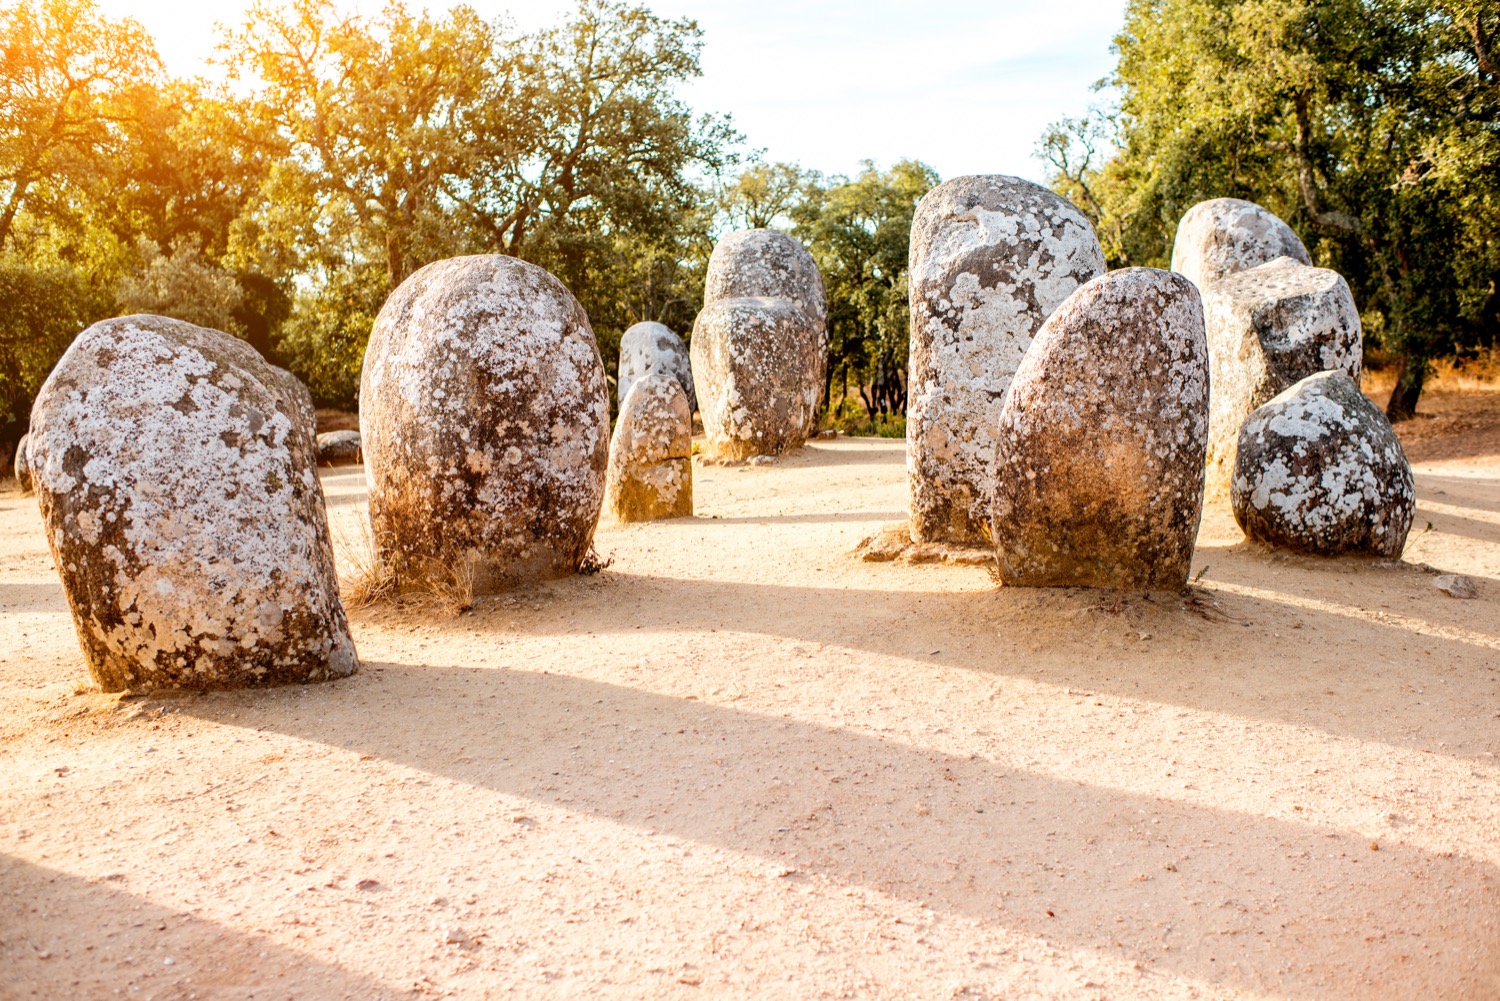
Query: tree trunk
point(1403, 402)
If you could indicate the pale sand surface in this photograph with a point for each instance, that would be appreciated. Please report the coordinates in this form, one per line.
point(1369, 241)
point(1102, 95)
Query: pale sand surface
point(740, 763)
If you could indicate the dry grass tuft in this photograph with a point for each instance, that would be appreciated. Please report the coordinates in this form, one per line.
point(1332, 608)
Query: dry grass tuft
point(363, 581)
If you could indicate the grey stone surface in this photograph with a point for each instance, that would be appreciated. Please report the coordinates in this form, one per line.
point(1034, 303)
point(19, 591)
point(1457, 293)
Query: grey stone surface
point(176, 480)
point(22, 466)
point(340, 448)
point(1320, 470)
point(1099, 472)
point(484, 416)
point(1269, 327)
point(760, 346)
point(991, 258)
point(1223, 236)
point(296, 390)
point(651, 453)
point(652, 347)
point(1456, 585)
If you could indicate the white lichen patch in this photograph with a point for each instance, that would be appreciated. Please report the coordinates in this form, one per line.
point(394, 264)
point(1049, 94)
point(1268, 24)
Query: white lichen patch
point(174, 469)
point(650, 453)
point(1100, 442)
point(484, 421)
point(1223, 236)
point(991, 258)
point(1269, 327)
point(652, 347)
point(1320, 470)
point(760, 354)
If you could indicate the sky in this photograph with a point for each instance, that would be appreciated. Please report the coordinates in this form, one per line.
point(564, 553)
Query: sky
point(967, 87)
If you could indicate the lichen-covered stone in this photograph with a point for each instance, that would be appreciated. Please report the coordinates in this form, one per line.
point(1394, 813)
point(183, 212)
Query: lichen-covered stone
point(765, 264)
point(651, 453)
point(484, 416)
point(759, 367)
point(760, 346)
point(1222, 236)
point(1268, 328)
point(176, 480)
point(1320, 470)
point(296, 391)
point(991, 258)
point(1099, 473)
point(22, 466)
point(339, 448)
point(652, 347)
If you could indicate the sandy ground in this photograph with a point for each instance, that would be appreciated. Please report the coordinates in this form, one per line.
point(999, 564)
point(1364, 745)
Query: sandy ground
point(741, 763)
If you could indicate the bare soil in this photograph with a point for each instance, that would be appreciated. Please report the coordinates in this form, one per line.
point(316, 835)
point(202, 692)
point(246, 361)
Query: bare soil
point(741, 762)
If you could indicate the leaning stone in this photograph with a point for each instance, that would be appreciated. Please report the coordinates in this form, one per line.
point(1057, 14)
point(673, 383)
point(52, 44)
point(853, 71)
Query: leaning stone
point(991, 258)
point(22, 467)
point(1456, 585)
point(1223, 236)
point(765, 264)
point(1320, 470)
point(651, 453)
point(484, 416)
point(1099, 474)
point(177, 484)
point(652, 347)
point(339, 448)
point(1269, 327)
point(758, 365)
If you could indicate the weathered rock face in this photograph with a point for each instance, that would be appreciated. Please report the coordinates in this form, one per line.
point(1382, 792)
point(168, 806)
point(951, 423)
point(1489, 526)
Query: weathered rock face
point(652, 347)
point(296, 390)
point(484, 416)
point(650, 455)
point(339, 448)
point(1099, 478)
point(22, 467)
point(176, 481)
point(1320, 470)
point(1222, 236)
point(760, 346)
point(991, 258)
point(1268, 328)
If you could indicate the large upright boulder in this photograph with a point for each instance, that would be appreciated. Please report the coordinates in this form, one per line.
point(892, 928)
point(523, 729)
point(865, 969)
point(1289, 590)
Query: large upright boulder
point(652, 347)
point(1099, 471)
point(1320, 470)
point(1221, 236)
point(760, 345)
point(22, 466)
point(484, 419)
point(296, 390)
point(651, 453)
point(991, 258)
point(1268, 328)
point(176, 479)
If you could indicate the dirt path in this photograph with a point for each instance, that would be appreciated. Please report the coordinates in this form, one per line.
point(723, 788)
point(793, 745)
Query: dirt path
point(740, 763)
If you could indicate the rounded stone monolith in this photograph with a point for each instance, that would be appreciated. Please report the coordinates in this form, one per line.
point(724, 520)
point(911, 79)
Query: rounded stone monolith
point(1269, 327)
point(484, 419)
point(1320, 470)
point(176, 480)
point(651, 453)
point(1223, 236)
point(22, 466)
point(652, 347)
point(991, 258)
point(1099, 471)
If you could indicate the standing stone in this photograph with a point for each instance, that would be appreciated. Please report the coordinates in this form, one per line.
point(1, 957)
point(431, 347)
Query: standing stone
point(484, 416)
point(22, 466)
point(1269, 327)
point(1320, 470)
point(296, 390)
point(339, 448)
point(652, 347)
point(991, 258)
point(1221, 236)
point(760, 346)
point(1099, 479)
point(177, 484)
point(651, 453)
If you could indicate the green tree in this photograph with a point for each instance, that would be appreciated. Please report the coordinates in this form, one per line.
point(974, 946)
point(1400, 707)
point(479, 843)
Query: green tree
point(859, 232)
point(1369, 125)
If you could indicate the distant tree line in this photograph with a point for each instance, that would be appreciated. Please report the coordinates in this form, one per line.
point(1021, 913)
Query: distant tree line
point(1371, 126)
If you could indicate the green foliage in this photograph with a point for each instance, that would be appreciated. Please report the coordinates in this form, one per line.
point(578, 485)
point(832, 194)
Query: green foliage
point(1371, 126)
point(182, 286)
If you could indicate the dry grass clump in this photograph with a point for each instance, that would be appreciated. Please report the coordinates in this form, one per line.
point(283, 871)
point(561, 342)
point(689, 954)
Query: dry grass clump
point(364, 580)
